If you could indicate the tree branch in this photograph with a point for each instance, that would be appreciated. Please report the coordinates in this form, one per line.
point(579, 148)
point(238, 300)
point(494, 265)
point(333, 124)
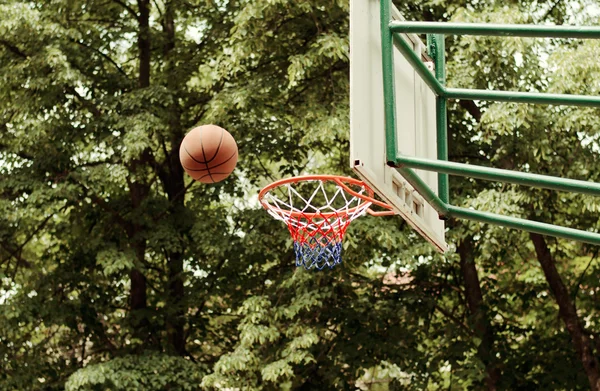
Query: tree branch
point(550, 10)
point(160, 13)
point(21, 154)
point(128, 8)
point(567, 312)
point(13, 254)
point(102, 204)
point(578, 283)
point(113, 62)
point(12, 48)
point(454, 319)
point(31, 236)
point(86, 103)
point(471, 108)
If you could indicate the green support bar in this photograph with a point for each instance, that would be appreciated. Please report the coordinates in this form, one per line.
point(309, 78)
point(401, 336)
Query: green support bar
point(390, 34)
point(417, 64)
point(387, 62)
point(487, 95)
point(525, 225)
point(425, 191)
point(447, 210)
point(517, 30)
point(441, 122)
point(523, 97)
point(497, 174)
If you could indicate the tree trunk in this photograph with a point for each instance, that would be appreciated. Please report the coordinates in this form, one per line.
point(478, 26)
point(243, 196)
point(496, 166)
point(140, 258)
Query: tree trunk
point(139, 191)
point(175, 188)
point(567, 311)
point(138, 290)
point(176, 318)
point(144, 42)
point(138, 295)
point(478, 312)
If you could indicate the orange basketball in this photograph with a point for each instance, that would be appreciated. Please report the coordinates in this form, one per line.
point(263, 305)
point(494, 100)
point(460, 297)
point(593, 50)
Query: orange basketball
point(208, 153)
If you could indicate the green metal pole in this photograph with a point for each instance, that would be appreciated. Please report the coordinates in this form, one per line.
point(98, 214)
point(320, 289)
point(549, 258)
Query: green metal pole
point(442, 166)
point(525, 225)
point(424, 190)
point(497, 174)
point(523, 97)
point(389, 99)
point(519, 30)
point(415, 60)
point(441, 117)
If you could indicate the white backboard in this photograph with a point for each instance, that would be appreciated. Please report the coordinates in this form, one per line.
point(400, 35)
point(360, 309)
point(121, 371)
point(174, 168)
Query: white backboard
point(416, 121)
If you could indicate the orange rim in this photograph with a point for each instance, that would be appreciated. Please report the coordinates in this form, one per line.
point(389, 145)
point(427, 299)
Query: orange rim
point(340, 181)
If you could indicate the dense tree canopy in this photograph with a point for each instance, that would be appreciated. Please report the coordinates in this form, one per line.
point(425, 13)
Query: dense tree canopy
point(118, 272)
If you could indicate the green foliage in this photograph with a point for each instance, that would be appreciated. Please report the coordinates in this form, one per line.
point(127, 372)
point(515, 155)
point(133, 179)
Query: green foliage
point(139, 372)
point(93, 198)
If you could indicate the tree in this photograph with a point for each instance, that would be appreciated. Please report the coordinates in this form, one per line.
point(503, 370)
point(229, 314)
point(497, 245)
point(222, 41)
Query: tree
point(104, 231)
point(119, 272)
point(530, 138)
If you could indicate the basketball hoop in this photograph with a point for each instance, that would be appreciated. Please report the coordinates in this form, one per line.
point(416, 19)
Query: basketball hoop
point(317, 210)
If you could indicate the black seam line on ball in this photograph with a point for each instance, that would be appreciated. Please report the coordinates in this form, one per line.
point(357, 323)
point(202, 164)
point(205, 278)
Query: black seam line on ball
point(212, 167)
point(193, 158)
point(204, 155)
point(218, 147)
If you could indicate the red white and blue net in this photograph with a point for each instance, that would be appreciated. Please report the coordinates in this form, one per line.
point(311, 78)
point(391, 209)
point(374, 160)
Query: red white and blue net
point(317, 211)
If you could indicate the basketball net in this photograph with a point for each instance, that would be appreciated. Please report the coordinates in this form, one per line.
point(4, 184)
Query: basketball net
point(317, 211)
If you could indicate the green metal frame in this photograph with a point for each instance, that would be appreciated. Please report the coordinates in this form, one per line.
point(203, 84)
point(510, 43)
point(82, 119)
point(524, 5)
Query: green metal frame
point(390, 38)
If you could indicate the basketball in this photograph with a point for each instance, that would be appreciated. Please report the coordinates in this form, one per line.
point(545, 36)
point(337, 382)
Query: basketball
point(208, 153)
